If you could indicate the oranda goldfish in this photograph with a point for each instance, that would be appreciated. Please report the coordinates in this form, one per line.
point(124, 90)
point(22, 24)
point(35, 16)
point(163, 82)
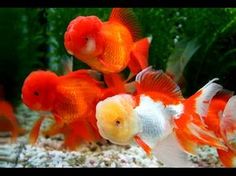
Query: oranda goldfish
point(8, 120)
point(221, 119)
point(70, 98)
point(158, 118)
point(111, 46)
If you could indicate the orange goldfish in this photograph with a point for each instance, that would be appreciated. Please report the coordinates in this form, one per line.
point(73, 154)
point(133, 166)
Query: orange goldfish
point(8, 120)
point(70, 98)
point(111, 46)
point(221, 119)
point(158, 118)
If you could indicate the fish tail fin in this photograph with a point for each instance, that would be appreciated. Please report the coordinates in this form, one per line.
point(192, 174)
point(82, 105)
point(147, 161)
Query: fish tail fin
point(200, 101)
point(228, 158)
point(191, 121)
point(139, 55)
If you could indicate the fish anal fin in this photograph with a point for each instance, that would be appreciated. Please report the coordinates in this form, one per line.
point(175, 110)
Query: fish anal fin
point(157, 81)
point(127, 17)
point(142, 144)
point(139, 55)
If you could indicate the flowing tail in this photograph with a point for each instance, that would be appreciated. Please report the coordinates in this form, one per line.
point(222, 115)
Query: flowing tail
point(191, 130)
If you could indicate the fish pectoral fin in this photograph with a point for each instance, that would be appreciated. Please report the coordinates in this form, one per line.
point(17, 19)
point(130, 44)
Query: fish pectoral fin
point(142, 144)
point(170, 153)
point(139, 55)
point(127, 17)
point(34, 133)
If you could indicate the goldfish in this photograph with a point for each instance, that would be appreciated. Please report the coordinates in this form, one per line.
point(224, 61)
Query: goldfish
point(8, 120)
point(158, 118)
point(110, 46)
point(71, 100)
point(221, 119)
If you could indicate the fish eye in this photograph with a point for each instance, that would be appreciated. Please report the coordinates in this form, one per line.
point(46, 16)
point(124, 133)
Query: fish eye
point(36, 93)
point(117, 122)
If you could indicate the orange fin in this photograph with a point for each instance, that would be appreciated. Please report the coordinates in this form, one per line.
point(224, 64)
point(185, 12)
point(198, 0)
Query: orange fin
point(228, 158)
point(34, 133)
point(156, 80)
point(139, 55)
point(115, 82)
point(142, 144)
point(127, 17)
point(185, 142)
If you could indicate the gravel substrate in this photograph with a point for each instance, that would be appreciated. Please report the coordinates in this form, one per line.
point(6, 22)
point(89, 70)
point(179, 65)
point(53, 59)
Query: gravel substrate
point(50, 153)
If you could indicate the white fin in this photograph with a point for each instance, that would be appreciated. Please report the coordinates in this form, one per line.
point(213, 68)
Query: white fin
point(169, 152)
point(204, 99)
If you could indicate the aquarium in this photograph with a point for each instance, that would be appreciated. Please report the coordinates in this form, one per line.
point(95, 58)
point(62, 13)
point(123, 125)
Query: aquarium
point(117, 87)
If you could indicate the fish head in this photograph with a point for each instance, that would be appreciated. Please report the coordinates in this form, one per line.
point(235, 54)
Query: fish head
point(38, 90)
point(83, 38)
point(116, 119)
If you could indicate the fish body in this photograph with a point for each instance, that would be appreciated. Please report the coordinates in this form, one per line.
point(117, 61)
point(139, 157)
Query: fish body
point(70, 98)
point(110, 46)
point(8, 120)
point(158, 115)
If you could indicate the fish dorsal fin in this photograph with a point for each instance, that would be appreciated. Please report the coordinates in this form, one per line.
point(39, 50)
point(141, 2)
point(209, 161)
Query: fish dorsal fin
point(224, 95)
point(127, 17)
point(157, 81)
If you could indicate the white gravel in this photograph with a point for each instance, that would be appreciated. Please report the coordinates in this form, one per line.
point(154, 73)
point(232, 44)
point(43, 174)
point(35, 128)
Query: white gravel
point(50, 153)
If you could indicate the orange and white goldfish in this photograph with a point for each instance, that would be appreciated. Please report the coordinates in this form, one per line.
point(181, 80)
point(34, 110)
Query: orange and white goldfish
point(111, 46)
point(70, 98)
point(221, 119)
point(8, 120)
point(158, 118)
